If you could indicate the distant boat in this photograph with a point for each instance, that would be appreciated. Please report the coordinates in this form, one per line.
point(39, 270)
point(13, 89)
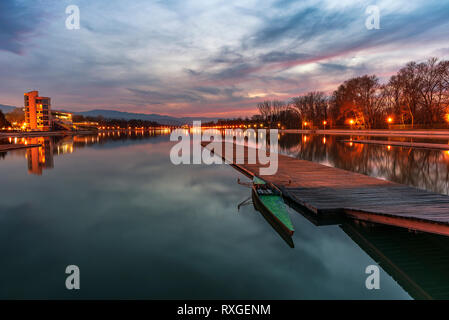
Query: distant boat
point(268, 200)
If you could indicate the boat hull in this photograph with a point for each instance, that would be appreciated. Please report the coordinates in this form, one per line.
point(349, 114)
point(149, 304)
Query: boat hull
point(260, 206)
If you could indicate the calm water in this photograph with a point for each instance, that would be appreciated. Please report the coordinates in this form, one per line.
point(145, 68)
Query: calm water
point(140, 227)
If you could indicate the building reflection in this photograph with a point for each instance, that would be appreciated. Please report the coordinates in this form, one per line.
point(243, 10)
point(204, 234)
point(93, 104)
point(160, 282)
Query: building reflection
point(42, 157)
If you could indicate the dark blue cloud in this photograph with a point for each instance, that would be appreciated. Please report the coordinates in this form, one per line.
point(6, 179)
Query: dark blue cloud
point(340, 30)
point(17, 21)
point(157, 97)
point(208, 90)
point(228, 55)
point(301, 25)
point(280, 56)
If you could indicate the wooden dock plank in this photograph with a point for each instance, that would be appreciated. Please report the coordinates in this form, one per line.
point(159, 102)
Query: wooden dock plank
point(327, 190)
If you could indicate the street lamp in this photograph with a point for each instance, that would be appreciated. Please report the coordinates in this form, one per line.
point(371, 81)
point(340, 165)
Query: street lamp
point(351, 122)
point(389, 121)
point(304, 124)
point(324, 124)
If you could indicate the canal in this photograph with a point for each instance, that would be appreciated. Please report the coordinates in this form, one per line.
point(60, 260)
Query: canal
point(138, 226)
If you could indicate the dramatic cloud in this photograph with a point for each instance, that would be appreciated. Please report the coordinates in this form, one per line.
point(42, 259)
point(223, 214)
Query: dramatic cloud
point(18, 21)
point(214, 57)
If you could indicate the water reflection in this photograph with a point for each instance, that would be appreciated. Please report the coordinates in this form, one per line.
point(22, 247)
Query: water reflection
point(421, 168)
point(131, 207)
point(42, 157)
point(275, 225)
point(418, 262)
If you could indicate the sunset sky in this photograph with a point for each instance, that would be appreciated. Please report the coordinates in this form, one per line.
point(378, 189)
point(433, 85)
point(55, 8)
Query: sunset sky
point(208, 57)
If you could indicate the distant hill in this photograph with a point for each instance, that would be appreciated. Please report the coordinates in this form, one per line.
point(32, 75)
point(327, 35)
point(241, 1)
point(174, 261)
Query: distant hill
point(111, 114)
point(6, 109)
point(161, 119)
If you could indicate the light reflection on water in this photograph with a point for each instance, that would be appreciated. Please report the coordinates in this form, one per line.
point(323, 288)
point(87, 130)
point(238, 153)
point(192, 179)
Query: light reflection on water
point(422, 168)
point(140, 227)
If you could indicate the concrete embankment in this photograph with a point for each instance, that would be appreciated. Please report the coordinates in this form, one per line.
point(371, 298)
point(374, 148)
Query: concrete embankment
point(386, 133)
point(436, 146)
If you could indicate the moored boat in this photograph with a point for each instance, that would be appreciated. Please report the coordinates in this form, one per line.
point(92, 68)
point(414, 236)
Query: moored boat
point(268, 199)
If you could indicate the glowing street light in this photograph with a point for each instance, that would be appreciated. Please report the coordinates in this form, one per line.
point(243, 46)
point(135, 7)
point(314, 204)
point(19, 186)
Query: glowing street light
point(351, 122)
point(324, 124)
point(390, 120)
point(305, 124)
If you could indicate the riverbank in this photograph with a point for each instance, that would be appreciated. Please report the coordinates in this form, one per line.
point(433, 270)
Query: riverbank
point(391, 133)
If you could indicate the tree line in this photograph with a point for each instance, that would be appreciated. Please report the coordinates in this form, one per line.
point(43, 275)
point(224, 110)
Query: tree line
point(118, 123)
point(3, 121)
point(416, 96)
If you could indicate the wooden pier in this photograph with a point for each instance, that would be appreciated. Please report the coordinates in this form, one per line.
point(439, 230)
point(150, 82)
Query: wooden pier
point(327, 191)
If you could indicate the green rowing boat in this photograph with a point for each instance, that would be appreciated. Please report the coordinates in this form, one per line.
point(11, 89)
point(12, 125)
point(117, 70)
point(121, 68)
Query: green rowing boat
point(268, 199)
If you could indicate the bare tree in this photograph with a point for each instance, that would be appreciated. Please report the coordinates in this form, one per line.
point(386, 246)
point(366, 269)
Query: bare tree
point(311, 107)
point(361, 98)
point(417, 94)
point(272, 111)
point(265, 110)
point(420, 92)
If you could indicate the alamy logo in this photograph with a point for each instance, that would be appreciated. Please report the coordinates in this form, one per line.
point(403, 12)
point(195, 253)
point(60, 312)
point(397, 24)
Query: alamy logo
point(373, 280)
point(73, 280)
point(373, 20)
point(188, 150)
point(73, 20)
